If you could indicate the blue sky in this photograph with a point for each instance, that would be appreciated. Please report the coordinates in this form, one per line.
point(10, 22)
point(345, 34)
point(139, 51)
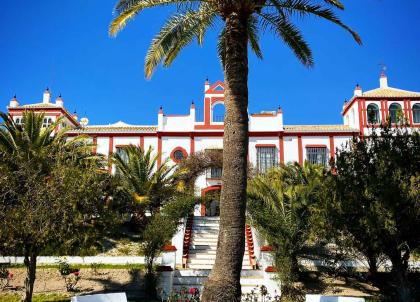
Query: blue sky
point(64, 45)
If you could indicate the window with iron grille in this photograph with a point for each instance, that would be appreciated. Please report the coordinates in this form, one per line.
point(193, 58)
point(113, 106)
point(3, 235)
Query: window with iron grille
point(122, 153)
point(316, 155)
point(416, 113)
point(214, 172)
point(266, 158)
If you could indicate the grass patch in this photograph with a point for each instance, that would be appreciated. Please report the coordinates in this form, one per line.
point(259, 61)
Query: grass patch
point(46, 298)
point(36, 298)
point(84, 266)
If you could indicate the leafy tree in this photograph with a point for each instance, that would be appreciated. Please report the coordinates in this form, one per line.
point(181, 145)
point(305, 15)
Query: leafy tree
point(52, 194)
point(159, 232)
point(377, 184)
point(156, 196)
point(280, 206)
point(240, 23)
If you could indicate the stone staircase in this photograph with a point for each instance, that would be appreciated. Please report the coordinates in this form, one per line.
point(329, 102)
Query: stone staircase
point(202, 255)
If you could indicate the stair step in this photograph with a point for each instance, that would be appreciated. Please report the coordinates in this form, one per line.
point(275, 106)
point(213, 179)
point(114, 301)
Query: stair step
point(202, 247)
point(194, 239)
point(199, 218)
point(199, 280)
point(203, 232)
point(208, 256)
point(210, 266)
point(245, 273)
point(196, 260)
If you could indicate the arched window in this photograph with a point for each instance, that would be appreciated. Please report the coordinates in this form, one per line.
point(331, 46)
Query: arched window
point(416, 113)
point(219, 113)
point(373, 114)
point(394, 110)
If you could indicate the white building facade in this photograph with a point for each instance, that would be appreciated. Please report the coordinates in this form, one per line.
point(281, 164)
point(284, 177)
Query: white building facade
point(271, 142)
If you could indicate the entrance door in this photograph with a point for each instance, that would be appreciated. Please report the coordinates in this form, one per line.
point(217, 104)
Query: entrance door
point(213, 208)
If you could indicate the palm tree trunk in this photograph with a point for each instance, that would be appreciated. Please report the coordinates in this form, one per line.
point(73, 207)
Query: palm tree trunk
point(30, 263)
point(224, 281)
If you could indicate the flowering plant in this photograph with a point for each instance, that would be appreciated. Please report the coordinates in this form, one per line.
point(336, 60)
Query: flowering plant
point(71, 280)
point(185, 295)
point(70, 275)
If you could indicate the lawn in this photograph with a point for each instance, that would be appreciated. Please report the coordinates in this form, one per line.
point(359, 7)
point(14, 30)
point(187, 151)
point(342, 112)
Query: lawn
point(45, 298)
point(37, 298)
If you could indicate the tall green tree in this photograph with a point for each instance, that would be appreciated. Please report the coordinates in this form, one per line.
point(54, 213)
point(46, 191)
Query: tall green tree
point(159, 192)
point(377, 200)
point(240, 23)
point(280, 205)
point(52, 193)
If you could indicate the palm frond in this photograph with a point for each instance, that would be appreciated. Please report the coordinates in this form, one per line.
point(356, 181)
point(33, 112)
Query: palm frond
point(305, 8)
point(335, 3)
point(290, 35)
point(221, 48)
point(253, 36)
point(178, 31)
point(128, 9)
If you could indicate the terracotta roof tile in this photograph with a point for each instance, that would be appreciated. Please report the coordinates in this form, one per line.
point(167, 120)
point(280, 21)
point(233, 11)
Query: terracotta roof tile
point(318, 128)
point(114, 129)
point(390, 92)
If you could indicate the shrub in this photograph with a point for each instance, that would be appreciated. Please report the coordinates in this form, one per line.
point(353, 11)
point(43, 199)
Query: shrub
point(5, 277)
point(70, 275)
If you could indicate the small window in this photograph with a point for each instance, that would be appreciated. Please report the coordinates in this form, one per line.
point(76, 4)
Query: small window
point(17, 121)
point(316, 155)
point(416, 113)
point(394, 111)
point(214, 173)
point(266, 158)
point(373, 114)
point(47, 122)
point(178, 154)
point(121, 152)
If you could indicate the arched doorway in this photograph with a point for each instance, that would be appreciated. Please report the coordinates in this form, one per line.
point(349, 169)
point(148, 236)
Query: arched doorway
point(211, 201)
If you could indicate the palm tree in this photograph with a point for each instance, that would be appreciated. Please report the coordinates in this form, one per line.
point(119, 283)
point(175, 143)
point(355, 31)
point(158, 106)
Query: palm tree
point(33, 141)
point(280, 205)
point(241, 22)
point(43, 148)
point(145, 185)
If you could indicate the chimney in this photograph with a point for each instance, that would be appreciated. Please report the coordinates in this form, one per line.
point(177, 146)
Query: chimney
point(279, 110)
point(75, 116)
point(383, 80)
point(47, 96)
point(192, 113)
point(14, 102)
point(358, 90)
point(206, 85)
point(59, 101)
point(160, 119)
